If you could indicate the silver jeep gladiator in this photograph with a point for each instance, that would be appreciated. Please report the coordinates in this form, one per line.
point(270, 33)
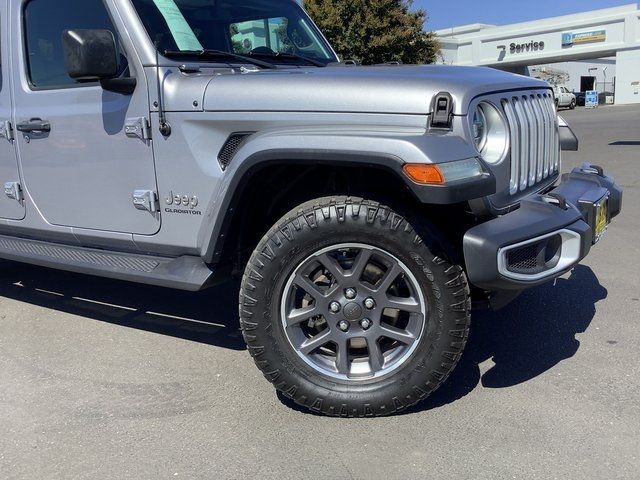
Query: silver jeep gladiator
point(181, 142)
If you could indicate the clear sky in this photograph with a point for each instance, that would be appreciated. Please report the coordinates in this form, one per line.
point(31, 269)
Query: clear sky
point(453, 13)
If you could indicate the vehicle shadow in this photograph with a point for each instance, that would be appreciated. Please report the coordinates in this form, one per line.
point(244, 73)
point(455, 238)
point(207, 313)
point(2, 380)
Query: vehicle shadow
point(209, 317)
point(525, 339)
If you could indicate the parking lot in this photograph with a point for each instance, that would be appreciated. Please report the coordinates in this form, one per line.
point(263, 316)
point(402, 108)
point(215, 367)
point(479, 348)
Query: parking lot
point(101, 379)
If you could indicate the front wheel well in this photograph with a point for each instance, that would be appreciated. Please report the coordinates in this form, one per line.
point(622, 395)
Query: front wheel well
point(267, 194)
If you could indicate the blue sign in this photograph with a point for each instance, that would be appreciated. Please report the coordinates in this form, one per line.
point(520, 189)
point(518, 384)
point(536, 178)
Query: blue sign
point(591, 99)
point(567, 39)
point(570, 39)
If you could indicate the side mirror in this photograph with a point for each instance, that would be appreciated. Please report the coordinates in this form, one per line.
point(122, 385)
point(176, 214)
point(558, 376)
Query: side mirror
point(92, 55)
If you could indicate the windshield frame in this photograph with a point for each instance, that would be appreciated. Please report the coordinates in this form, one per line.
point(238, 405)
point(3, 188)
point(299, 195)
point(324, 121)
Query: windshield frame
point(320, 37)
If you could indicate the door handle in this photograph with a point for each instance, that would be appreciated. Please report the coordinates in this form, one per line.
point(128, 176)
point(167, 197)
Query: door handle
point(35, 125)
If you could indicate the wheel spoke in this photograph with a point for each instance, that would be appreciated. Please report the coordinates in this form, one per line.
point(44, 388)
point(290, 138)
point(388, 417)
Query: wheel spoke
point(342, 356)
point(316, 342)
point(331, 264)
point(396, 334)
point(360, 263)
point(299, 315)
point(390, 277)
point(308, 286)
point(403, 304)
point(376, 358)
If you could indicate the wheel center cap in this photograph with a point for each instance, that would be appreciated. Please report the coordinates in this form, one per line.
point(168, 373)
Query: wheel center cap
point(352, 311)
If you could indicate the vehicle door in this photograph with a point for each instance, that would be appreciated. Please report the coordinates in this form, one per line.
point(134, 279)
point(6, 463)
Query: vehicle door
point(79, 165)
point(11, 202)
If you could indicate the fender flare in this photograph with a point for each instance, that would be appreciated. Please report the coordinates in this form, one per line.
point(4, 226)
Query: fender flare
point(427, 194)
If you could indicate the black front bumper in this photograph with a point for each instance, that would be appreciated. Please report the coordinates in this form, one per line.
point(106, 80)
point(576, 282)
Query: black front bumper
point(546, 237)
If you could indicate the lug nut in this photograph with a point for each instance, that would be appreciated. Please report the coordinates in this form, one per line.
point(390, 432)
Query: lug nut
point(350, 293)
point(370, 303)
point(344, 326)
point(334, 307)
point(365, 323)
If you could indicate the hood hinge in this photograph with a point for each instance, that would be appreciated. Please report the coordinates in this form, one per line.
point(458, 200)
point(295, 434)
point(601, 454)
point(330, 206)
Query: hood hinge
point(138, 128)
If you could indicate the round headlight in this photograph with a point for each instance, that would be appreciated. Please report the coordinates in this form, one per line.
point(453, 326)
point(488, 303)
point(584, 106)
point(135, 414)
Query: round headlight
point(479, 128)
point(489, 132)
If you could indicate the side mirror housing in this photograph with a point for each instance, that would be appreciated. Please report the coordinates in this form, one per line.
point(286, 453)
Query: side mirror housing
point(90, 55)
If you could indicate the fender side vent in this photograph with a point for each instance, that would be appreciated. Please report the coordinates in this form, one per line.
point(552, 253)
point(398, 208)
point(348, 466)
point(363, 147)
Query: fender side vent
point(230, 147)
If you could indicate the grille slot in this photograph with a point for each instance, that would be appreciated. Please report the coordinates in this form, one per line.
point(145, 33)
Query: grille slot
point(535, 143)
point(230, 147)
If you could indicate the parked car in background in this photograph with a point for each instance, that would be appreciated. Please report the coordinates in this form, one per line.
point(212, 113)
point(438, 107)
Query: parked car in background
point(564, 97)
point(580, 98)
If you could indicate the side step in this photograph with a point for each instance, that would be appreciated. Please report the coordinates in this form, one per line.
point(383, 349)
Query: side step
point(183, 273)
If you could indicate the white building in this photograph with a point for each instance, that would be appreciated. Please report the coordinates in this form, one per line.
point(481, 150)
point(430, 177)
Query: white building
point(593, 50)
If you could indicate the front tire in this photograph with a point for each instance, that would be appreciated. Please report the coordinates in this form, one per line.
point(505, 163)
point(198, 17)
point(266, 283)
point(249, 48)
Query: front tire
point(573, 105)
point(349, 312)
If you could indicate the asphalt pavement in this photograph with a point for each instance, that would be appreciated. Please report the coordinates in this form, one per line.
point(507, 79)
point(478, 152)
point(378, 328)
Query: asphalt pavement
point(105, 379)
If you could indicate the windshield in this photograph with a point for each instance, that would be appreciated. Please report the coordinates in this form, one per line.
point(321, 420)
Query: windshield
point(273, 29)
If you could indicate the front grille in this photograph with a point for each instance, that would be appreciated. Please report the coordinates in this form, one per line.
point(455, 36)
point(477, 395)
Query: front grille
point(535, 142)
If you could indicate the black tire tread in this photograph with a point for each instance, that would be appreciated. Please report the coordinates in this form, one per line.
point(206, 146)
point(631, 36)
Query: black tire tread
point(308, 215)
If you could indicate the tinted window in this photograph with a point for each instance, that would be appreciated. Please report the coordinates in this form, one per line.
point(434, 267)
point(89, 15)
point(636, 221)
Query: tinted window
point(44, 21)
point(261, 27)
point(266, 33)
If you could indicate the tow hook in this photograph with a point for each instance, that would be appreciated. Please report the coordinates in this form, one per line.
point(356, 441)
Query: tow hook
point(556, 199)
point(594, 169)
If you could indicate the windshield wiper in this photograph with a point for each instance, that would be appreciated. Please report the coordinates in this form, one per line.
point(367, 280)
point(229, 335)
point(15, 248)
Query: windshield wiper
point(208, 53)
point(291, 56)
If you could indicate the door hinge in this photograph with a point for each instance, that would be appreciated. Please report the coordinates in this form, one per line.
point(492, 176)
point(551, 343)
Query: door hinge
point(146, 200)
point(13, 191)
point(6, 130)
point(138, 128)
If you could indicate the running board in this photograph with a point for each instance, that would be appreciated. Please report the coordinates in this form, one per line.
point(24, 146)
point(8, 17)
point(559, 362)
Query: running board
point(183, 273)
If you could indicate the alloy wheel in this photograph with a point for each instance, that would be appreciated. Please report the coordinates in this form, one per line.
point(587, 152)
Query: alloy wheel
point(353, 312)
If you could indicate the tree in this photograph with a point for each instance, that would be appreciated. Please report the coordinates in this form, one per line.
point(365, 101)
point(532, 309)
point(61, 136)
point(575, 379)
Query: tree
point(375, 31)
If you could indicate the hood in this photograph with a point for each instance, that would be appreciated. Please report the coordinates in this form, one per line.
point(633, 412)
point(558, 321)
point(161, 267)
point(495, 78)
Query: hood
point(380, 89)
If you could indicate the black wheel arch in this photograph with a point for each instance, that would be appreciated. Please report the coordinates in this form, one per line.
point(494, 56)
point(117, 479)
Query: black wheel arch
point(388, 165)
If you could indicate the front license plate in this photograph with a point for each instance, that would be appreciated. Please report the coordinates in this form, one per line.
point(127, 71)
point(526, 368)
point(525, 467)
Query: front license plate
point(602, 219)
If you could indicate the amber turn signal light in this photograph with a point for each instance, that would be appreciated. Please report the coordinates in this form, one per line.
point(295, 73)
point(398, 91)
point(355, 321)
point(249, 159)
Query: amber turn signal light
point(424, 174)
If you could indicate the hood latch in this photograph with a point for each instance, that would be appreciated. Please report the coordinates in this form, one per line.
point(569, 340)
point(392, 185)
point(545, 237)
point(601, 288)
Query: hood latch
point(442, 111)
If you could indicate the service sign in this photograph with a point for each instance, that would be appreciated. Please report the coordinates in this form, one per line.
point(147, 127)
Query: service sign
point(569, 38)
